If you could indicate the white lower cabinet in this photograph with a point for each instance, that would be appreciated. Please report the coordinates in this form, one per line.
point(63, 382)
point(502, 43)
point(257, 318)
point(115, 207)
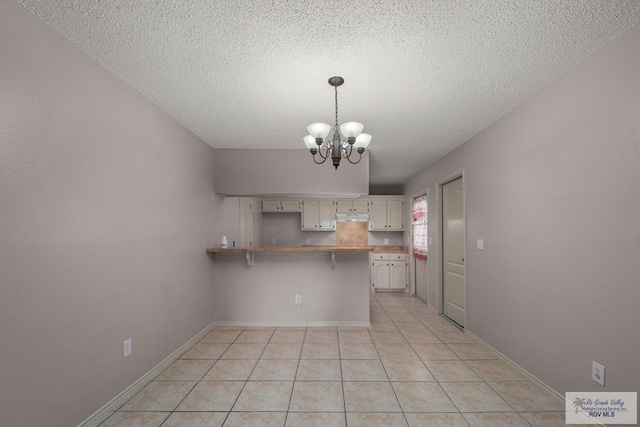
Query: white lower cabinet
point(388, 270)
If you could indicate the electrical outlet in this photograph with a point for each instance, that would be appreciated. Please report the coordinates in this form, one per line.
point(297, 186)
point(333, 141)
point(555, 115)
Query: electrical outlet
point(480, 244)
point(386, 241)
point(597, 373)
point(273, 241)
point(298, 299)
point(308, 241)
point(127, 348)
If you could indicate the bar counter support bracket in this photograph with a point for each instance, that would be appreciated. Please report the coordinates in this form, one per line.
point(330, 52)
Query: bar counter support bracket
point(333, 259)
point(250, 260)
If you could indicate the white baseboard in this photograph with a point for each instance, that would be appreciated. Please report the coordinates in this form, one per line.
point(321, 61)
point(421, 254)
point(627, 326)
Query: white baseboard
point(519, 368)
point(276, 324)
point(109, 408)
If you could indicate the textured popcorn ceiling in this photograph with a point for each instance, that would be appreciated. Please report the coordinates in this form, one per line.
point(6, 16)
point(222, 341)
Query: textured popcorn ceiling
point(423, 76)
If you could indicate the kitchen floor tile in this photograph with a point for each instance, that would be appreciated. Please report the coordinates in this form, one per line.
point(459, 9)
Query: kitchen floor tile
point(316, 419)
point(475, 397)
point(496, 419)
point(370, 397)
point(527, 396)
point(264, 396)
point(231, 370)
point(320, 350)
point(212, 396)
point(433, 351)
point(351, 336)
point(359, 419)
point(206, 351)
point(255, 419)
point(472, 351)
point(136, 419)
point(250, 336)
point(244, 351)
point(222, 336)
point(495, 370)
point(195, 419)
point(321, 336)
point(358, 351)
point(396, 351)
point(287, 335)
point(186, 370)
point(417, 419)
point(423, 397)
point(451, 370)
point(289, 350)
point(363, 370)
point(407, 370)
point(319, 370)
point(274, 370)
point(317, 396)
point(159, 396)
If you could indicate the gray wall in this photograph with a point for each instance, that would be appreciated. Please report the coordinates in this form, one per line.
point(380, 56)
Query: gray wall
point(554, 190)
point(106, 206)
point(258, 172)
point(265, 293)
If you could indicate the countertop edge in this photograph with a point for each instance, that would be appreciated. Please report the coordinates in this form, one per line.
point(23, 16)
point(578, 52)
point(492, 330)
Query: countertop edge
point(311, 249)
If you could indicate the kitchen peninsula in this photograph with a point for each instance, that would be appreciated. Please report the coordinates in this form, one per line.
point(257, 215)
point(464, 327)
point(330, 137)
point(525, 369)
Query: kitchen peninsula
point(260, 288)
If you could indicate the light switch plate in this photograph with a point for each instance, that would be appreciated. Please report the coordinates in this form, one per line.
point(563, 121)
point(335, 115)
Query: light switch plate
point(480, 243)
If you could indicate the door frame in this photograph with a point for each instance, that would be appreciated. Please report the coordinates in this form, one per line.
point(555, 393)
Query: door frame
point(412, 260)
point(439, 253)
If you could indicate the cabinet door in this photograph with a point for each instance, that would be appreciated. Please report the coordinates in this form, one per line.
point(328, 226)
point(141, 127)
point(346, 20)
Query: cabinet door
point(309, 215)
point(380, 275)
point(270, 205)
point(326, 215)
point(360, 206)
point(344, 206)
point(398, 273)
point(246, 222)
point(378, 215)
point(290, 206)
point(395, 217)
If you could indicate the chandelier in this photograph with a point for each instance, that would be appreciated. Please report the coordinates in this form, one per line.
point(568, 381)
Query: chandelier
point(345, 139)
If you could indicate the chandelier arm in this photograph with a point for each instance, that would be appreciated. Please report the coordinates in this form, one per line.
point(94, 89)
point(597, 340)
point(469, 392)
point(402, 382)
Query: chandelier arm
point(353, 163)
point(324, 156)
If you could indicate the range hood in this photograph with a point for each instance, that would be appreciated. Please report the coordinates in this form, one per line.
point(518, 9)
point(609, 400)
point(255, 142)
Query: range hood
point(354, 217)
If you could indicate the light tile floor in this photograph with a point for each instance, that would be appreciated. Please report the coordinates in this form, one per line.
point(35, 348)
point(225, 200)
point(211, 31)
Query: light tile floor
point(410, 368)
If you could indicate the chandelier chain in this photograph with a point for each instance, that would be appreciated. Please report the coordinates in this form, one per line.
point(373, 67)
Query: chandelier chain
point(336, 90)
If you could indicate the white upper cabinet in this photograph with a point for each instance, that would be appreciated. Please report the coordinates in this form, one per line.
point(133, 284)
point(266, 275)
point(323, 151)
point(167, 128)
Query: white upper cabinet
point(280, 205)
point(318, 215)
point(352, 206)
point(386, 215)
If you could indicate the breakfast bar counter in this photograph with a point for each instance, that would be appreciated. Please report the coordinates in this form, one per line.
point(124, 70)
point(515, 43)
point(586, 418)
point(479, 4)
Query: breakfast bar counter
point(292, 286)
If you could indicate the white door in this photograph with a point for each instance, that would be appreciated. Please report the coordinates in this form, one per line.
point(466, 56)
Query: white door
point(421, 278)
point(360, 206)
point(453, 292)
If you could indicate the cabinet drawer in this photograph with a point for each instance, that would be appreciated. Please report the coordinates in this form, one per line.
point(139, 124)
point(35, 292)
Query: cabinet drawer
point(398, 257)
point(380, 257)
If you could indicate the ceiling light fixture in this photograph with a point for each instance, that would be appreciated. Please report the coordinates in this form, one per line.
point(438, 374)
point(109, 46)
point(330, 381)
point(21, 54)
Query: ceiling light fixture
point(345, 137)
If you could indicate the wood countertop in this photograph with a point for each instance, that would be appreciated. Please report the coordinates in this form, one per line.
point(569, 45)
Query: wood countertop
point(402, 249)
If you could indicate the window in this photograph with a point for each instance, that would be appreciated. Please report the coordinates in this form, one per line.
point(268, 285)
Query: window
point(419, 221)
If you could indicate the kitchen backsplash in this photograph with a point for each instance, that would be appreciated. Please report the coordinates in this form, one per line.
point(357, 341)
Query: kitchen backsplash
point(285, 228)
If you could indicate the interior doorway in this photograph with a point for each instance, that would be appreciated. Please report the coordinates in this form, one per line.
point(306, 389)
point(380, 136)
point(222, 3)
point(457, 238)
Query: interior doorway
point(419, 245)
point(453, 251)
